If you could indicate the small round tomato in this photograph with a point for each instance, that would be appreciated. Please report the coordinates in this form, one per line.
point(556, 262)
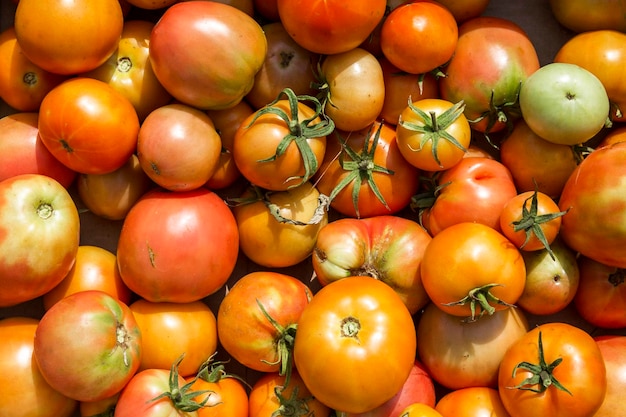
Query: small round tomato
point(225, 394)
point(472, 402)
point(433, 134)
point(419, 410)
point(355, 326)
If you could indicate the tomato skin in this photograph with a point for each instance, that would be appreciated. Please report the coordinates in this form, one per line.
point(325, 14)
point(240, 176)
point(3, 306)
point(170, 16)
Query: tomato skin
point(326, 349)
point(612, 348)
point(471, 402)
point(24, 391)
point(105, 407)
point(226, 397)
point(582, 372)
point(419, 410)
point(88, 126)
point(229, 48)
point(177, 247)
point(588, 15)
point(463, 10)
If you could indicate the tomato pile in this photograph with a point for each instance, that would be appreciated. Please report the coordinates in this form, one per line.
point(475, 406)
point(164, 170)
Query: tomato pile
point(261, 208)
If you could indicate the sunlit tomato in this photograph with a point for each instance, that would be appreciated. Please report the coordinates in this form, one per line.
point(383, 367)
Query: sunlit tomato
point(282, 145)
point(471, 402)
point(24, 391)
point(22, 84)
point(88, 126)
point(612, 349)
point(433, 134)
point(330, 27)
point(129, 71)
point(272, 395)
point(23, 152)
point(419, 410)
point(225, 394)
point(88, 345)
point(170, 330)
point(419, 36)
point(177, 247)
point(287, 64)
point(68, 37)
point(112, 195)
point(589, 15)
point(340, 333)
point(601, 295)
point(257, 319)
point(279, 229)
point(470, 269)
point(536, 163)
point(463, 10)
point(206, 53)
point(353, 87)
point(178, 147)
point(95, 268)
point(458, 354)
point(556, 369)
point(365, 174)
point(105, 407)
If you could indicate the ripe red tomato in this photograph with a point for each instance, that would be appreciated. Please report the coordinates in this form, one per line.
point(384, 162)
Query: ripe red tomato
point(338, 344)
point(177, 247)
point(612, 349)
point(88, 126)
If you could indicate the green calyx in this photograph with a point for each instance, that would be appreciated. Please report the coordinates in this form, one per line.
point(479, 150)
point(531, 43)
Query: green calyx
point(182, 397)
point(480, 300)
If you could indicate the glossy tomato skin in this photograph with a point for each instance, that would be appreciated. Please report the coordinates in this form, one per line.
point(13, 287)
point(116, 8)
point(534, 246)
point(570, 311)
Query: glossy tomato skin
point(340, 333)
point(177, 247)
point(471, 402)
point(88, 345)
point(581, 371)
point(229, 48)
point(612, 348)
point(88, 126)
point(388, 248)
point(24, 391)
point(331, 27)
point(226, 397)
point(35, 212)
point(587, 15)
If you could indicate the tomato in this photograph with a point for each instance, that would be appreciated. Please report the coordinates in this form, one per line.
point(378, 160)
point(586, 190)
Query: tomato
point(458, 354)
point(463, 10)
point(23, 84)
point(594, 195)
point(267, 9)
point(170, 330)
point(177, 247)
point(330, 27)
point(35, 212)
point(257, 319)
point(433, 134)
point(95, 268)
point(470, 269)
point(24, 391)
point(355, 329)
point(225, 394)
point(419, 36)
point(88, 345)
point(273, 395)
point(129, 71)
point(556, 369)
point(102, 408)
point(287, 64)
point(588, 15)
point(353, 88)
point(178, 147)
point(246, 6)
point(68, 37)
point(151, 4)
point(471, 402)
point(612, 348)
point(206, 54)
point(365, 174)
point(279, 229)
point(23, 152)
point(473, 190)
point(601, 295)
point(615, 134)
point(282, 145)
point(88, 126)
point(493, 58)
point(112, 195)
point(419, 410)
point(536, 163)
point(388, 248)
point(602, 52)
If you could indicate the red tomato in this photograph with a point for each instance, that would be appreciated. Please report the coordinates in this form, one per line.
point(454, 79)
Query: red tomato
point(471, 402)
point(589, 15)
point(88, 126)
point(177, 247)
point(225, 394)
point(88, 345)
point(612, 349)
point(206, 53)
point(339, 335)
point(267, 9)
point(24, 391)
point(35, 212)
point(330, 27)
point(556, 369)
point(68, 37)
point(23, 152)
